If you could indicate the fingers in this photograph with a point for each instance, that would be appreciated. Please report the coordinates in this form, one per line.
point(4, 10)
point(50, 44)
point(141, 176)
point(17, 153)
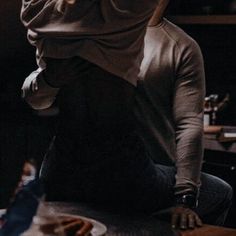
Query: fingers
point(198, 221)
point(22, 93)
point(34, 85)
point(191, 221)
point(183, 221)
point(174, 220)
point(70, 1)
point(185, 218)
point(30, 84)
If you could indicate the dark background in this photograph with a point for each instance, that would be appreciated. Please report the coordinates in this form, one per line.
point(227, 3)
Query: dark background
point(25, 135)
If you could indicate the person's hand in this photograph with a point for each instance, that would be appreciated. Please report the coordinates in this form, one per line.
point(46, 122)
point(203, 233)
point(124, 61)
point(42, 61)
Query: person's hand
point(184, 218)
point(61, 5)
point(37, 92)
point(180, 217)
point(30, 84)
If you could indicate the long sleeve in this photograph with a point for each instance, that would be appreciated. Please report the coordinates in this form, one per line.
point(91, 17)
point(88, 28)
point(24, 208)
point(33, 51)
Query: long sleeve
point(188, 117)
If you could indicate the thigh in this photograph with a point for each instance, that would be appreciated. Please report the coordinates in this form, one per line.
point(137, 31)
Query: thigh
point(215, 197)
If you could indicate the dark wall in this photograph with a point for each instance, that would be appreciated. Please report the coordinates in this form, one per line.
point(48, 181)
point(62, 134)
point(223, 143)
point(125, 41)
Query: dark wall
point(219, 50)
point(23, 135)
point(16, 57)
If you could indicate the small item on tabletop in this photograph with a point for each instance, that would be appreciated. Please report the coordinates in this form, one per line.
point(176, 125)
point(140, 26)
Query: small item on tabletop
point(213, 108)
point(9, 217)
point(47, 222)
point(28, 174)
point(228, 134)
point(23, 207)
point(29, 215)
point(207, 112)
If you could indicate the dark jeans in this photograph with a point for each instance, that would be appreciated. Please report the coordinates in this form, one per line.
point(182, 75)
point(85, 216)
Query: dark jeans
point(97, 156)
point(215, 196)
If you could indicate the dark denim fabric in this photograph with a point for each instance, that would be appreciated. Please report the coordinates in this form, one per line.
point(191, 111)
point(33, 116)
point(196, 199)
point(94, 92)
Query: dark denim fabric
point(215, 197)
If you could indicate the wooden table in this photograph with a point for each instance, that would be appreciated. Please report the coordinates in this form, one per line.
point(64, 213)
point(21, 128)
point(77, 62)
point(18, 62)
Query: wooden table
point(120, 225)
point(209, 230)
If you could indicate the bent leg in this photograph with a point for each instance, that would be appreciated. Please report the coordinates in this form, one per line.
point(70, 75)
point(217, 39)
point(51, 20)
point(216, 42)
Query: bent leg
point(215, 199)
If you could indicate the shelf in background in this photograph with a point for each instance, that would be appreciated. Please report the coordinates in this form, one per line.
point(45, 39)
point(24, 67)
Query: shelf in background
point(204, 19)
point(215, 145)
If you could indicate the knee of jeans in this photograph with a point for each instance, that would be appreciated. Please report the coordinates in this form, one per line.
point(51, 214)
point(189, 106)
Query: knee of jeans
point(227, 193)
point(230, 193)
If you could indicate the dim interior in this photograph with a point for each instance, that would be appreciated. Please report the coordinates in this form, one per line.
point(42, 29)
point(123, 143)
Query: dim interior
point(25, 134)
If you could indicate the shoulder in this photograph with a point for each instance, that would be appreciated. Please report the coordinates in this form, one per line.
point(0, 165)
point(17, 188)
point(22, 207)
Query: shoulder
point(179, 37)
point(171, 38)
point(187, 51)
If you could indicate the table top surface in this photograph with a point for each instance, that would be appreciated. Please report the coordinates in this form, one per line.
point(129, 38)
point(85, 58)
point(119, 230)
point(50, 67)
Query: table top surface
point(117, 224)
point(124, 225)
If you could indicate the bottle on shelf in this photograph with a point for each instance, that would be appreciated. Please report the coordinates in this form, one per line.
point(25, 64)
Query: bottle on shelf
point(207, 112)
point(214, 105)
point(210, 110)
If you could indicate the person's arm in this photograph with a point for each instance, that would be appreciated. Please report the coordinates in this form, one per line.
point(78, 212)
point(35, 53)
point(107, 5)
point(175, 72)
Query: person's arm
point(188, 117)
point(38, 13)
point(188, 103)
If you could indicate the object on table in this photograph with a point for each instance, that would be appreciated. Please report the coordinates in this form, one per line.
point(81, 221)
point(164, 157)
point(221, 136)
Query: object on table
point(23, 207)
point(220, 133)
point(58, 224)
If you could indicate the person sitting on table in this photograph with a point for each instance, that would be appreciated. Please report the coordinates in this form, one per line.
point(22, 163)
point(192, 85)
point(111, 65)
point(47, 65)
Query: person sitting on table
point(92, 51)
point(95, 159)
point(170, 110)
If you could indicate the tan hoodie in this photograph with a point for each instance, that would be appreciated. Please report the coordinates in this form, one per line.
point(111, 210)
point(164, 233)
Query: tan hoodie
point(108, 33)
